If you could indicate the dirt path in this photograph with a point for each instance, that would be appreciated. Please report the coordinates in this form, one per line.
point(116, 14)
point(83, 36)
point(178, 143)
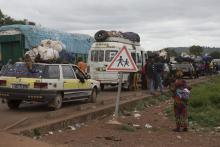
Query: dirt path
point(8, 140)
point(100, 134)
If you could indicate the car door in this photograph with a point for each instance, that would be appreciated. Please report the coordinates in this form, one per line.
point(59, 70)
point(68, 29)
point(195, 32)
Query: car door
point(70, 82)
point(83, 83)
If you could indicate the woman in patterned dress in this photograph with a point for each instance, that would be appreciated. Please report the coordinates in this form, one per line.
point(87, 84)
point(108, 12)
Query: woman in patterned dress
point(181, 100)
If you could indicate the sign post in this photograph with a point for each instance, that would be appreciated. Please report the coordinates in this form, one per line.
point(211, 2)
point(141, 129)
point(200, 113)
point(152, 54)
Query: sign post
point(122, 62)
point(118, 94)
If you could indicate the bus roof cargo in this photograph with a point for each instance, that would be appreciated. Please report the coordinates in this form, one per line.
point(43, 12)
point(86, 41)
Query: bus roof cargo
point(117, 36)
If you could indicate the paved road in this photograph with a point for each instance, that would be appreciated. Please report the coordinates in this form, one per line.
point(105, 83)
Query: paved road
point(36, 113)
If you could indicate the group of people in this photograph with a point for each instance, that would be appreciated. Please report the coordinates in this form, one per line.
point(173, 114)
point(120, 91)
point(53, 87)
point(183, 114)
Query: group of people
point(152, 74)
point(152, 78)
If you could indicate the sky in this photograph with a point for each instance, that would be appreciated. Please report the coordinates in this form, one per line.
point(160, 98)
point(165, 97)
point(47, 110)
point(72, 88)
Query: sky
point(160, 23)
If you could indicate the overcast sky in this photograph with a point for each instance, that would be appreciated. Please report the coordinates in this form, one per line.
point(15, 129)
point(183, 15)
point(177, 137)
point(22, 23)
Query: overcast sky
point(160, 23)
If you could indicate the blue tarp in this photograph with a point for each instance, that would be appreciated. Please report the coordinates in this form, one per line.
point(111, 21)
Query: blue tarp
point(75, 43)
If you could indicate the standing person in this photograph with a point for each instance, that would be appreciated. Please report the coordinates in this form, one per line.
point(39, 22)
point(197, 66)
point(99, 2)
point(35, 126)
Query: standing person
point(155, 78)
point(181, 97)
point(82, 65)
point(150, 78)
point(196, 69)
point(159, 73)
point(144, 75)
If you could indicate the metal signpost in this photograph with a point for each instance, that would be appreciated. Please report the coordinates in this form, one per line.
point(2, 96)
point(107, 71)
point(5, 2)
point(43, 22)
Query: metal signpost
point(122, 62)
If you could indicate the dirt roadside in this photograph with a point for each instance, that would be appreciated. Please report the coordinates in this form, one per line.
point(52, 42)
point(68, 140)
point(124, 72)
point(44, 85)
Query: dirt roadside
point(100, 134)
point(9, 140)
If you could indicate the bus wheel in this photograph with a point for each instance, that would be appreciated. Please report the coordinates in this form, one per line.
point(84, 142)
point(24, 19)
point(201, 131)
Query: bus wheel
point(102, 86)
point(13, 104)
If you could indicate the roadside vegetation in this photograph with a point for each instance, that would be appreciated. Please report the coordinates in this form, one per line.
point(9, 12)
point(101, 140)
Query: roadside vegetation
point(204, 104)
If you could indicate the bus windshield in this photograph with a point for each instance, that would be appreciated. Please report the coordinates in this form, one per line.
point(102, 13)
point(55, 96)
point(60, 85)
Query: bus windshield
point(109, 55)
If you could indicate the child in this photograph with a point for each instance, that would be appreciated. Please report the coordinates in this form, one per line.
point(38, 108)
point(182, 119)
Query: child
point(181, 93)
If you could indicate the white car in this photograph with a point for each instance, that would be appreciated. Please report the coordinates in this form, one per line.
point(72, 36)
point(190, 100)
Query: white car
point(51, 83)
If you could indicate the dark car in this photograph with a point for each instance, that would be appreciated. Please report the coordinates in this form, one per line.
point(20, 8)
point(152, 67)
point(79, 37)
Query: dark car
point(184, 69)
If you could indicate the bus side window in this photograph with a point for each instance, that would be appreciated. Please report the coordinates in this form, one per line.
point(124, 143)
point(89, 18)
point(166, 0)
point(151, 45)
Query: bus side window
point(139, 60)
point(133, 55)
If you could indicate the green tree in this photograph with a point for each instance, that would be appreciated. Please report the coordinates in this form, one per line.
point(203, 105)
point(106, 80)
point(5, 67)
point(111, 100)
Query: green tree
point(171, 52)
point(196, 50)
point(215, 54)
point(7, 20)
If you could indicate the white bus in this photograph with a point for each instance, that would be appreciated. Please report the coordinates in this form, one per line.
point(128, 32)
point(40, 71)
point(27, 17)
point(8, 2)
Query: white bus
point(101, 55)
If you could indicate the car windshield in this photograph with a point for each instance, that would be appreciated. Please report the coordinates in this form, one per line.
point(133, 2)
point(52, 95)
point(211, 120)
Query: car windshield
point(21, 70)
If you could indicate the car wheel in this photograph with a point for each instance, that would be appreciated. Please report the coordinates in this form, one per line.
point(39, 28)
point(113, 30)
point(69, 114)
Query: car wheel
point(13, 104)
point(93, 96)
point(56, 103)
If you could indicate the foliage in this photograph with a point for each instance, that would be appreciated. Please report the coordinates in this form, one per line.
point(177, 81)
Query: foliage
point(196, 50)
point(171, 52)
point(215, 54)
point(36, 132)
point(7, 20)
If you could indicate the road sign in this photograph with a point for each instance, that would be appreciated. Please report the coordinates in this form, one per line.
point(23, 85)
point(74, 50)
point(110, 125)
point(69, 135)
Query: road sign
point(122, 62)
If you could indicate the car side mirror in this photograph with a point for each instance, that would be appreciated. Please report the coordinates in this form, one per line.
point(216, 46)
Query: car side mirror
point(81, 79)
point(88, 77)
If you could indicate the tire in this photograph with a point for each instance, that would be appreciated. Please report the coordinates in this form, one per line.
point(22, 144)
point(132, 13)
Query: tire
point(132, 36)
point(101, 35)
point(13, 104)
point(93, 96)
point(102, 86)
point(56, 103)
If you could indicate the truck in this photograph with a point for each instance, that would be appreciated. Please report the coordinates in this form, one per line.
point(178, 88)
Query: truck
point(15, 40)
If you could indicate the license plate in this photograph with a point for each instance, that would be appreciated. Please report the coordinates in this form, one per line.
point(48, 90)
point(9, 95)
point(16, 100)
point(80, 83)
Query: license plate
point(19, 86)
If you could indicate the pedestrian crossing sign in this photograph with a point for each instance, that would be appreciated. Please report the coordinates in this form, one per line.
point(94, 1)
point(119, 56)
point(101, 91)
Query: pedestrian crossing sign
point(122, 62)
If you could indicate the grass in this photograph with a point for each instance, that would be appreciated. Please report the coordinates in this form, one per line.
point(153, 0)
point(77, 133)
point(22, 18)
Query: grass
point(128, 128)
point(141, 105)
point(204, 104)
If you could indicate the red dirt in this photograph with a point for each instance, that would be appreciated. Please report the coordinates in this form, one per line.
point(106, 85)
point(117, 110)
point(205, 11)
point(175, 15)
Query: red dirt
point(99, 134)
point(8, 140)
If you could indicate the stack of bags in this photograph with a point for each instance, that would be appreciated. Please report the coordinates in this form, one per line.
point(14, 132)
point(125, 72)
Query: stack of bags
point(48, 50)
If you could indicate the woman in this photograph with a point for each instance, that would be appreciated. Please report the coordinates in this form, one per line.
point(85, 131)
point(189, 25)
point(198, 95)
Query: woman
point(181, 97)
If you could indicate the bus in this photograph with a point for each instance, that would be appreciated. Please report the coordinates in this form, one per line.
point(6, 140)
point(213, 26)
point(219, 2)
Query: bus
point(102, 53)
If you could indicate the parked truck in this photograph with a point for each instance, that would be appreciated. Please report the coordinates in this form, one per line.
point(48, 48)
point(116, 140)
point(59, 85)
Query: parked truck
point(15, 40)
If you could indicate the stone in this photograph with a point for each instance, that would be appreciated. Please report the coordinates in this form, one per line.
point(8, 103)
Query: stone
point(72, 128)
point(148, 126)
point(50, 133)
point(137, 115)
